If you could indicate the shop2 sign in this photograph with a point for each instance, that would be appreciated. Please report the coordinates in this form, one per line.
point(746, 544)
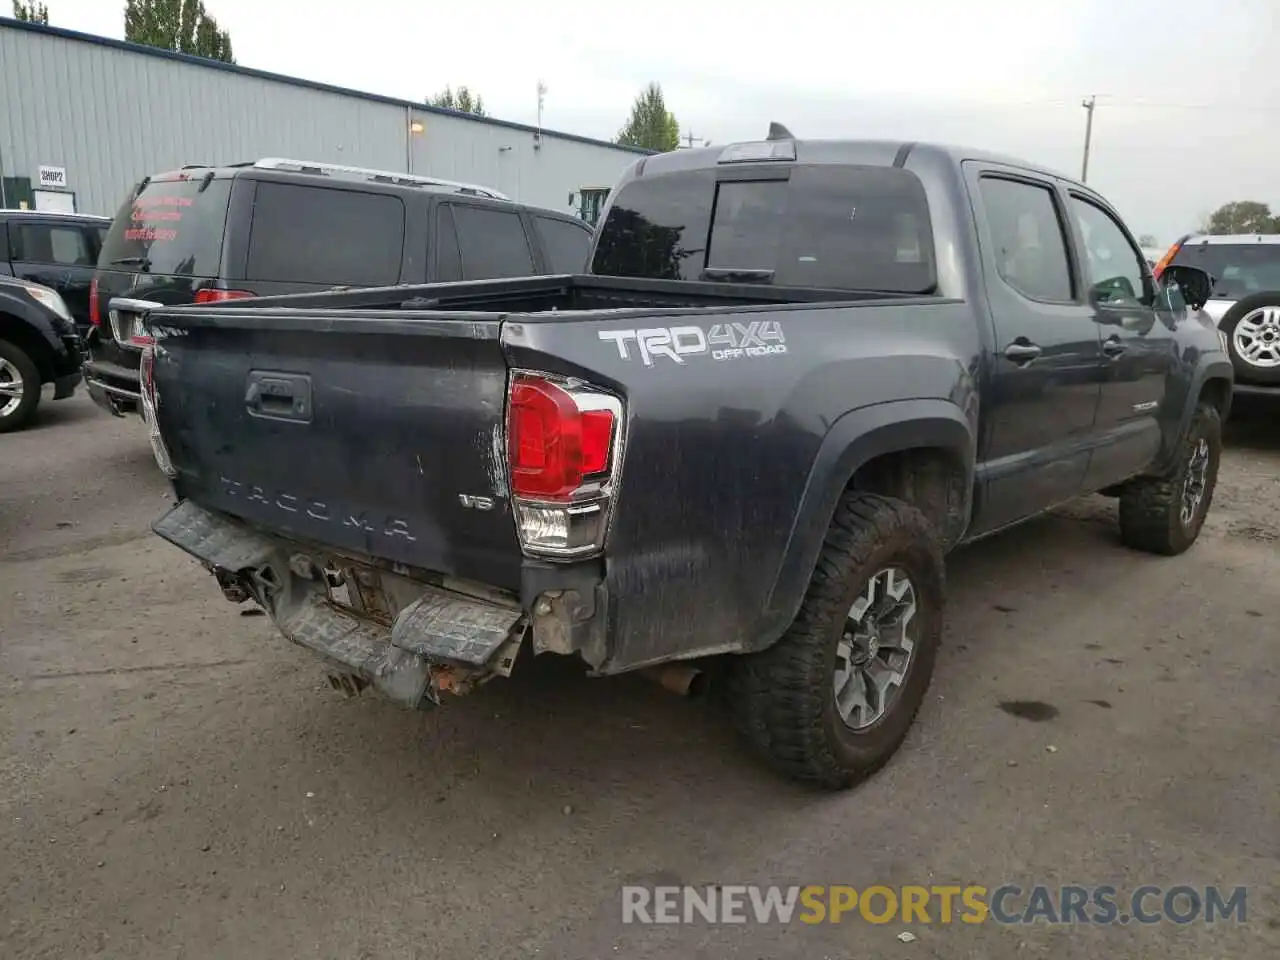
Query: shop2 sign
point(53, 177)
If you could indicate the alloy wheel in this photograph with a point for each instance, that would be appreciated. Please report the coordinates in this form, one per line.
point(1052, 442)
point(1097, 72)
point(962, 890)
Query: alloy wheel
point(875, 650)
point(12, 387)
point(1257, 337)
point(1196, 481)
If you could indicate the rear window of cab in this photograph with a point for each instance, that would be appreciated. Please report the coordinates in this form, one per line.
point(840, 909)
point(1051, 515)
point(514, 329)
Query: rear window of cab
point(833, 226)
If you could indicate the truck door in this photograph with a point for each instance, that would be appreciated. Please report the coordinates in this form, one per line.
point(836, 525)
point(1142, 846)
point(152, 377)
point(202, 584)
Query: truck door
point(1040, 418)
point(1138, 346)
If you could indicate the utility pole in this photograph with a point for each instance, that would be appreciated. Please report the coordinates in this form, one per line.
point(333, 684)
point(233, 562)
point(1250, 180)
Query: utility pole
point(688, 139)
point(542, 97)
point(1089, 106)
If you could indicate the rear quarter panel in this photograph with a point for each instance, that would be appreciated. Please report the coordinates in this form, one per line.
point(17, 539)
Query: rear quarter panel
point(728, 455)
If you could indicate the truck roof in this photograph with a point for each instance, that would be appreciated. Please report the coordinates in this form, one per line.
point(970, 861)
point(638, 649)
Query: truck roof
point(862, 152)
point(1230, 238)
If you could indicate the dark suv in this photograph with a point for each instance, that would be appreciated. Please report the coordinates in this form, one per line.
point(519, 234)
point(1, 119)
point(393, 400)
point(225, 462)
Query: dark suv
point(55, 250)
point(205, 234)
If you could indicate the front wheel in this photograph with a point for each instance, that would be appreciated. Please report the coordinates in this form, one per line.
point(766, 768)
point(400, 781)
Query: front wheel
point(19, 387)
point(833, 699)
point(1164, 514)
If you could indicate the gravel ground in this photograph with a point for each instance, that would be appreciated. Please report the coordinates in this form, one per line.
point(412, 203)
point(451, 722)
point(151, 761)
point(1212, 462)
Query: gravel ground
point(177, 782)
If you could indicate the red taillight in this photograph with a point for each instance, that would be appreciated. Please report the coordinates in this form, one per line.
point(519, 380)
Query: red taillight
point(553, 444)
point(597, 440)
point(564, 448)
point(95, 312)
point(210, 295)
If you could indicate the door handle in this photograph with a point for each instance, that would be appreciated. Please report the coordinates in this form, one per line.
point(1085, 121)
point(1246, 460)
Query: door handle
point(1113, 346)
point(1022, 351)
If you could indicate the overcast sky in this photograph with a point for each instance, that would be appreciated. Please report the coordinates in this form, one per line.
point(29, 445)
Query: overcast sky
point(1188, 92)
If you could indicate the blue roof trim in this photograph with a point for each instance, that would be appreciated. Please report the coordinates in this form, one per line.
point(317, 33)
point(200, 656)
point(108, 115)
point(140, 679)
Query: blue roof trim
point(114, 44)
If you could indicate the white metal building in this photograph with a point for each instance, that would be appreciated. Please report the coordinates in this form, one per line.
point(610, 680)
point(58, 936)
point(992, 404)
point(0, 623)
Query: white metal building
point(83, 118)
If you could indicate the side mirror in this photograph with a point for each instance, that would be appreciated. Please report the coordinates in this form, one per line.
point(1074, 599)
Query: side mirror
point(1194, 284)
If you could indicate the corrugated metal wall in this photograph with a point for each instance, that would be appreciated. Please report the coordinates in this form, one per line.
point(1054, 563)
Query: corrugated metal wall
point(111, 115)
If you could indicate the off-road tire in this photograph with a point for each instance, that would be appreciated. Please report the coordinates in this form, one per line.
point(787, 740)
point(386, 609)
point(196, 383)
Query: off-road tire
point(26, 409)
point(1246, 372)
point(1150, 507)
point(782, 700)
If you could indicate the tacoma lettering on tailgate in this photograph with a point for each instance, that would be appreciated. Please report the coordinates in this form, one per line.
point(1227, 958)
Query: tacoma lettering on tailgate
point(318, 509)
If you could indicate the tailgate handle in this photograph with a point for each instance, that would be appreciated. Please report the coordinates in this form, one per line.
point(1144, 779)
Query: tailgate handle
point(278, 396)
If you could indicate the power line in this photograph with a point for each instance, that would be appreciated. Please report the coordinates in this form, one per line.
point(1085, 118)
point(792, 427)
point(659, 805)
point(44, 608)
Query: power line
point(1121, 102)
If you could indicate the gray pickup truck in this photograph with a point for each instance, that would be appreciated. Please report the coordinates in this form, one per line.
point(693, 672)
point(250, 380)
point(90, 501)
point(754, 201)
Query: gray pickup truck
point(798, 375)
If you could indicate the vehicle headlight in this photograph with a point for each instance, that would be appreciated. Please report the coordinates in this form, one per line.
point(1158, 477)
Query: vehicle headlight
point(50, 298)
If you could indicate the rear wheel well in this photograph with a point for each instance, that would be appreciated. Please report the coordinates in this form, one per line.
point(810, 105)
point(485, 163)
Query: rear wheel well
point(22, 335)
point(932, 479)
point(1217, 393)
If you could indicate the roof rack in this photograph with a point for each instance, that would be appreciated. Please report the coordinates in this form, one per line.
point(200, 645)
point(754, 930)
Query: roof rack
point(378, 176)
point(18, 211)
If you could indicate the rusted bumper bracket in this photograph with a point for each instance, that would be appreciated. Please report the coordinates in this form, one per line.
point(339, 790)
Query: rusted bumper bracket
point(442, 641)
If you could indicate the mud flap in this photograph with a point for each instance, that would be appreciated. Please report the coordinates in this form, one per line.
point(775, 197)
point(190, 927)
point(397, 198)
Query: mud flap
point(441, 641)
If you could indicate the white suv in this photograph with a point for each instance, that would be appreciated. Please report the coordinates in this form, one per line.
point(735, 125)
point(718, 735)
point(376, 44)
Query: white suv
point(1245, 303)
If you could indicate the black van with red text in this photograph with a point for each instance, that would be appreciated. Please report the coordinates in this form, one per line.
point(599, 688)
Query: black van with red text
point(205, 234)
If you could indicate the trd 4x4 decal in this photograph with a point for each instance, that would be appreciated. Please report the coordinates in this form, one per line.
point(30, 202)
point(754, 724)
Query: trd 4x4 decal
point(723, 341)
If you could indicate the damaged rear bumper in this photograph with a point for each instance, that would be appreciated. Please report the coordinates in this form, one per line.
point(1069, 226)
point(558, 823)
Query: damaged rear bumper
point(438, 641)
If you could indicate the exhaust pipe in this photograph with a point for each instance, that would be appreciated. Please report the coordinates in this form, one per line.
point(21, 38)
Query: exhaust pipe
point(678, 678)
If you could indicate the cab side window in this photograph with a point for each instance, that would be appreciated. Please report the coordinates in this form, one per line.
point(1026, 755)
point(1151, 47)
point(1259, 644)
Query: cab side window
point(1116, 268)
point(492, 242)
point(1029, 245)
point(565, 244)
point(64, 245)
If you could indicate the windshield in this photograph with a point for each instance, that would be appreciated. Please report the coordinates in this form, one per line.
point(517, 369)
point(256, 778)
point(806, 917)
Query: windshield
point(835, 227)
point(1238, 269)
point(172, 227)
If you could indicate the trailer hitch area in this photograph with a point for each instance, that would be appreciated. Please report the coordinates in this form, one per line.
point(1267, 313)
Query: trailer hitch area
point(411, 641)
point(441, 642)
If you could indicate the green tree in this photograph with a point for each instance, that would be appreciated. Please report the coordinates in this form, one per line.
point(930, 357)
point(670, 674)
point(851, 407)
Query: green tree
point(651, 125)
point(462, 100)
point(181, 25)
point(1242, 216)
point(31, 12)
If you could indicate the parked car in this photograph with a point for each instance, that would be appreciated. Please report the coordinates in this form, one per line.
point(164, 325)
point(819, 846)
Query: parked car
point(207, 234)
point(1245, 303)
point(55, 250)
point(38, 345)
point(801, 374)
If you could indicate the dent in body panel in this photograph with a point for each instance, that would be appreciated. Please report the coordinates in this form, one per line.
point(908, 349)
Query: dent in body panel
point(497, 462)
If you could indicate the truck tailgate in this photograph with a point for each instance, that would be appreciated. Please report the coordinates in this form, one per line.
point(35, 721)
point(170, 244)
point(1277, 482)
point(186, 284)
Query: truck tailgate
point(375, 435)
